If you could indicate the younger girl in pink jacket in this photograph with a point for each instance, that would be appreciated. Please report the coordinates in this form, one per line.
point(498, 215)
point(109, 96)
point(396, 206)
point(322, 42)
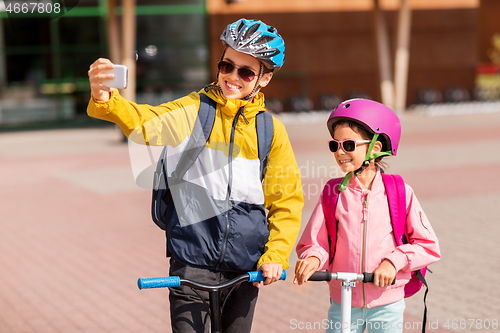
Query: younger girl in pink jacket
point(363, 132)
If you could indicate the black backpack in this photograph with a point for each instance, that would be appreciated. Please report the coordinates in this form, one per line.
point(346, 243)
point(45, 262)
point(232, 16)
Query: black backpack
point(162, 205)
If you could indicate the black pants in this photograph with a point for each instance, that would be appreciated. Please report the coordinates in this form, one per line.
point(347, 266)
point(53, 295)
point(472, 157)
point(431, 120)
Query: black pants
point(188, 314)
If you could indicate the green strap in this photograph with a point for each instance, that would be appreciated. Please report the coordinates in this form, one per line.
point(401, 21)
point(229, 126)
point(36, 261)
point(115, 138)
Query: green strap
point(369, 157)
point(345, 181)
point(373, 157)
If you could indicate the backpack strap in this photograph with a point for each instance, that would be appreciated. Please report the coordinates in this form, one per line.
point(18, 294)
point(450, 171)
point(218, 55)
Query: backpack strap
point(197, 141)
point(396, 196)
point(201, 134)
point(421, 277)
point(199, 137)
point(160, 185)
point(329, 199)
point(265, 130)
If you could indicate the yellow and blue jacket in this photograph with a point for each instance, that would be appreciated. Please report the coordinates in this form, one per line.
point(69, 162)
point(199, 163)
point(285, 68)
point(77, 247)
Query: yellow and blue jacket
point(243, 237)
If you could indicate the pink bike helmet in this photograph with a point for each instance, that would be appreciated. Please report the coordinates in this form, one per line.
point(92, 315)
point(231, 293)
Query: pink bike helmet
point(371, 115)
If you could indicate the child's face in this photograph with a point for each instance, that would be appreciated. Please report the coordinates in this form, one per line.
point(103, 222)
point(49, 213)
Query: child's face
point(349, 161)
point(232, 85)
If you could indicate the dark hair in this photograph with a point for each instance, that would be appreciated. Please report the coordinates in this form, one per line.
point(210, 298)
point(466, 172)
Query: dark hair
point(367, 134)
point(268, 70)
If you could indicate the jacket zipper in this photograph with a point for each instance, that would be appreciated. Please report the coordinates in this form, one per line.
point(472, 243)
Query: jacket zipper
point(365, 207)
point(229, 183)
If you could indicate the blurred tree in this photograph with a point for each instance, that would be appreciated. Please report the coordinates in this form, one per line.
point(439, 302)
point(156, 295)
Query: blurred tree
point(494, 53)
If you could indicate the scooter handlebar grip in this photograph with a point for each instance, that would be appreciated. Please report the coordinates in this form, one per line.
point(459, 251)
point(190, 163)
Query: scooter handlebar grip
point(321, 276)
point(257, 276)
point(368, 277)
point(159, 282)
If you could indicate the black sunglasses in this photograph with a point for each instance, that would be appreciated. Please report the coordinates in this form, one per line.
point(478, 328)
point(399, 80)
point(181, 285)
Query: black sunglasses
point(245, 74)
point(348, 145)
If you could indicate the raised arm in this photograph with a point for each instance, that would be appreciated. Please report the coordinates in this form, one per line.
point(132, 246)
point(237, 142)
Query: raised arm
point(99, 91)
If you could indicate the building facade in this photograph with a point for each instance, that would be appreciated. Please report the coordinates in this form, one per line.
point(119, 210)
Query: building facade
point(330, 48)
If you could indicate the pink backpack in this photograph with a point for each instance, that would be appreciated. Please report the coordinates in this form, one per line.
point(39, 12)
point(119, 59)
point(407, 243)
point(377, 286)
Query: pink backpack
point(396, 196)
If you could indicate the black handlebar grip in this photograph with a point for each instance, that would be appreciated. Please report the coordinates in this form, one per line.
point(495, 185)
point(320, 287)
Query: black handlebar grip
point(321, 276)
point(368, 277)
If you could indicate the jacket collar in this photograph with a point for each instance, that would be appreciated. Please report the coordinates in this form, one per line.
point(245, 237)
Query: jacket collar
point(377, 184)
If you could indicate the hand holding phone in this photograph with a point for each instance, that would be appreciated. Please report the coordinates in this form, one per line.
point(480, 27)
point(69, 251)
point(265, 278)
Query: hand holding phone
point(120, 80)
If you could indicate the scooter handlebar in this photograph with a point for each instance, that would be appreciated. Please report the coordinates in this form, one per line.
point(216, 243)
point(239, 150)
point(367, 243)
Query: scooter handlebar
point(328, 276)
point(257, 276)
point(321, 276)
point(369, 277)
point(159, 282)
point(175, 281)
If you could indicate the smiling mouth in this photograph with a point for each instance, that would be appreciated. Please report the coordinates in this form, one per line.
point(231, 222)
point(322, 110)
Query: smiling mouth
point(345, 161)
point(231, 86)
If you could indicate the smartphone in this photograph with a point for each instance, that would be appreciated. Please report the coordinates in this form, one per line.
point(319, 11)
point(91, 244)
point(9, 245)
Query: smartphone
point(120, 79)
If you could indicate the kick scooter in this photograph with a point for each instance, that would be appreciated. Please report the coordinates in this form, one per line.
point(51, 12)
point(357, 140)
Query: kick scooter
point(348, 281)
point(216, 306)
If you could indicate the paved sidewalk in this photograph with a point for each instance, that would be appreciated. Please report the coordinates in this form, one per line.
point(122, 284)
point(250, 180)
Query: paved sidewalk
point(76, 231)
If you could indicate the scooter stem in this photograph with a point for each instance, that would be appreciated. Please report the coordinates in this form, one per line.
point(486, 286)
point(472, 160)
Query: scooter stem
point(345, 312)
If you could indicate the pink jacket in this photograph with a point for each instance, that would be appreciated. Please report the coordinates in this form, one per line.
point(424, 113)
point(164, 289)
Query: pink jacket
point(365, 238)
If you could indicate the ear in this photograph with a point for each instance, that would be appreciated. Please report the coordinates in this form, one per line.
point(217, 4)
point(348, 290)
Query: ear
point(377, 148)
point(266, 78)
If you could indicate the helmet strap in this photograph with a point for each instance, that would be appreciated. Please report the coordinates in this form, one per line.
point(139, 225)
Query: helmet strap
point(221, 58)
point(345, 181)
point(257, 87)
point(369, 157)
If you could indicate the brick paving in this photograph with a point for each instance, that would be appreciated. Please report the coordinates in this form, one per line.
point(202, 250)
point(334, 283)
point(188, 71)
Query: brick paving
point(76, 232)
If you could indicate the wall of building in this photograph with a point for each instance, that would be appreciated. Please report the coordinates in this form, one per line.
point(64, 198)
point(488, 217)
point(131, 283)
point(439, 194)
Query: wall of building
point(489, 24)
point(301, 6)
point(335, 52)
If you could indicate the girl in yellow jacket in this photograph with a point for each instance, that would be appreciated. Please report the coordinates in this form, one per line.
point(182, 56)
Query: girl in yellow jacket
point(261, 224)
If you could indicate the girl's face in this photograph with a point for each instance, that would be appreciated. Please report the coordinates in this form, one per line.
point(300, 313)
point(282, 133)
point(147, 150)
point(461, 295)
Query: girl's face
point(233, 86)
point(350, 161)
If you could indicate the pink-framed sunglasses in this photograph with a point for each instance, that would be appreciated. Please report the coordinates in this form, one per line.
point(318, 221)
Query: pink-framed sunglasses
point(348, 145)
